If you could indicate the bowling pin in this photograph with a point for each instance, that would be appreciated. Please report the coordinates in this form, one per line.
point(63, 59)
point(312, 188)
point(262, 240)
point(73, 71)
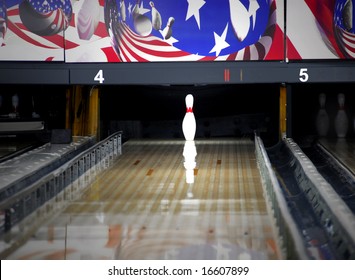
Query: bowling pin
point(156, 17)
point(123, 10)
point(341, 120)
point(322, 120)
point(15, 103)
point(189, 121)
point(168, 30)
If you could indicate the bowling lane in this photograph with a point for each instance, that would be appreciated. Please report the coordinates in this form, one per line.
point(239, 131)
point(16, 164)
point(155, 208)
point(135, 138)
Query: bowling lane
point(143, 208)
point(11, 144)
point(343, 149)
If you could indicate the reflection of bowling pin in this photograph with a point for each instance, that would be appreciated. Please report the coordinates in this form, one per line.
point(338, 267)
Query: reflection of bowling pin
point(189, 154)
point(3, 29)
point(189, 122)
point(88, 19)
point(168, 30)
point(15, 102)
point(322, 120)
point(123, 10)
point(341, 119)
point(156, 17)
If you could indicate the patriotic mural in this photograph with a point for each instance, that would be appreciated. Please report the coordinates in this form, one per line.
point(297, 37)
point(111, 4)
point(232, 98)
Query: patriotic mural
point(326, 30)
point(141, 30)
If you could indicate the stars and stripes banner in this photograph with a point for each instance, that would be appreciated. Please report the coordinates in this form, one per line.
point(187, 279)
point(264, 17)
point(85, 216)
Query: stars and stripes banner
point(141, 30)
point(3, 22)
point(326, 30)
point(192, 30)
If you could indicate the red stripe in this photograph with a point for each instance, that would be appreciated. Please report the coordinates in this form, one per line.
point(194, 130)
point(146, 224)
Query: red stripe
point(12, 12)
point(348, 47)
point(123, 43)
point(276, 51)
point(232, 56)
point(246, 53)
point(70, 45)
point(145, 40)
point(151, 51)
point(111, 54)
point(261, 50)
point(56, 39)
point(101, 30)
point(207, 58)
point(14, 28)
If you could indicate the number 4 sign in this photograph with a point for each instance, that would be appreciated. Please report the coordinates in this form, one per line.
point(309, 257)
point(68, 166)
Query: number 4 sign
point(99, 77)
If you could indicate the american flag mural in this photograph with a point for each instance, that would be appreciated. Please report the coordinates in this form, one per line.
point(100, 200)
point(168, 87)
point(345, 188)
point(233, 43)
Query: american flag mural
point(191, 30)
point(325, 32)
point(3, 22)
point(141, 30)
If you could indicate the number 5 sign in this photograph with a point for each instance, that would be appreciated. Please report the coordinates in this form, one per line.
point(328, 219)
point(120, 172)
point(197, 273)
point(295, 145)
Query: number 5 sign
point(303, 75)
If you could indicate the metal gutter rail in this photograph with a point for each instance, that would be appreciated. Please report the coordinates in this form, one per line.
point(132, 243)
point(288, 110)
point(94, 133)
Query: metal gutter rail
point(331, 210)
point(291, 239)
point(76, 173)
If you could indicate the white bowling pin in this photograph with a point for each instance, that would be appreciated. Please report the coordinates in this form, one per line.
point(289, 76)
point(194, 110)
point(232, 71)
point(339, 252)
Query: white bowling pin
point(168, 30)
point(322, 120)
point(341, 121)
point(189, 121)
point(156, 17)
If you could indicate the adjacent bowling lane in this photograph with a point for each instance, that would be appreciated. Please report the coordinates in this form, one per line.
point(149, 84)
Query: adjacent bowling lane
point(143, 208)
point(343, 149)
point(11, 145)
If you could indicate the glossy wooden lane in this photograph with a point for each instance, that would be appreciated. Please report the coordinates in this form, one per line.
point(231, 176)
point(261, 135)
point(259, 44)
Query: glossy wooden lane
point(143, 208)
point(343, 149)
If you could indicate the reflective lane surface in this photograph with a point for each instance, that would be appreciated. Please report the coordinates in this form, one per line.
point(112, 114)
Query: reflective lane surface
point(161, 199)
point(10, 145)
point(343, 149)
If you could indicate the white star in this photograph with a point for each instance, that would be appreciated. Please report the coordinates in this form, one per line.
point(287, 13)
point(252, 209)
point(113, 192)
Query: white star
point(194, 10)
point(143, 10)
point(220, 41)
point(171, 40)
